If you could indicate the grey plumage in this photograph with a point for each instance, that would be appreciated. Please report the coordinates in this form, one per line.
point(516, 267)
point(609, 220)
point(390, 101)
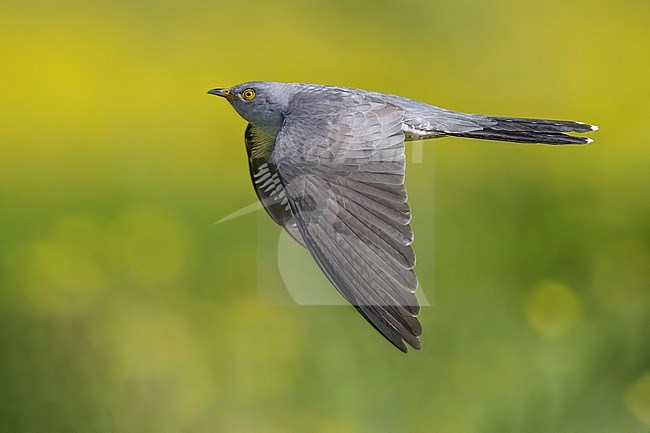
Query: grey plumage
point(328, 165)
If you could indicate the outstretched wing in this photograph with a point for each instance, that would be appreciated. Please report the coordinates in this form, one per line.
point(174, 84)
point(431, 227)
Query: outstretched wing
point(265, 179)
point(341, 161)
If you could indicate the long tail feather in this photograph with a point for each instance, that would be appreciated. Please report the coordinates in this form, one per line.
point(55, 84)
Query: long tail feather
point(530, 131)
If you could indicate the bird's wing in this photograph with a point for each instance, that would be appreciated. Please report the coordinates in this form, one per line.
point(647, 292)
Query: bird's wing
point(341, 160)
point(265, 179)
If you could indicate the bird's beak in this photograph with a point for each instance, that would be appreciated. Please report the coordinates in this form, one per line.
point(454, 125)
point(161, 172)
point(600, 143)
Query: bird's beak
point(224, 93)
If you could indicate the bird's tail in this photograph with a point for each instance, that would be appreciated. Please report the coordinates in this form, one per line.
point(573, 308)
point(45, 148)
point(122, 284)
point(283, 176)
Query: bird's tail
point(529, 131)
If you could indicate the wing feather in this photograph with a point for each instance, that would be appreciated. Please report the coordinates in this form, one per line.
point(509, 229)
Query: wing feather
point(341, 161)
point(267, 184)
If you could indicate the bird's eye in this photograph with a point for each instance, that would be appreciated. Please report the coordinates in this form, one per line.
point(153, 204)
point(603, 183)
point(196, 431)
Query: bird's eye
point(248, 94)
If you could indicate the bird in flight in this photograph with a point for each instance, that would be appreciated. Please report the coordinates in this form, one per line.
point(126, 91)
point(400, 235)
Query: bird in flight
point(328, 164)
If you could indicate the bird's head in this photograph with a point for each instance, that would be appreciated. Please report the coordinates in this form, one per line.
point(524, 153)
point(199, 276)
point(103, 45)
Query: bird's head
point(261, 103)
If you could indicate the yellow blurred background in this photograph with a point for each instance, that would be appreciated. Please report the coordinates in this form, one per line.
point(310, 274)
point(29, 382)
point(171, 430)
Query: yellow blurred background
point(124, 308)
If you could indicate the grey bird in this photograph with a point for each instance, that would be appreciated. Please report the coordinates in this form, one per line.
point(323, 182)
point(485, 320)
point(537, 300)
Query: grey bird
point(328, 165)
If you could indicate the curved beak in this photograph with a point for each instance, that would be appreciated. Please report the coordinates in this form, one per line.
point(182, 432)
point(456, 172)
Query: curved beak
point(224, 93)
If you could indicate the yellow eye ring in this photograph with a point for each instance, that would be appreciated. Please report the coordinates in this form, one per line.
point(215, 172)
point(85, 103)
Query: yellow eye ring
point(248, 94)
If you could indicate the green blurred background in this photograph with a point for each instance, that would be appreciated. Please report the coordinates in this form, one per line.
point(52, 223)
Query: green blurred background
point(124, 308)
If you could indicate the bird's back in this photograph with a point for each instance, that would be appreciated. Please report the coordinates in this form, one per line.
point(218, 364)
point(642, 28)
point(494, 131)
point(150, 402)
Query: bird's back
point(422, 120)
